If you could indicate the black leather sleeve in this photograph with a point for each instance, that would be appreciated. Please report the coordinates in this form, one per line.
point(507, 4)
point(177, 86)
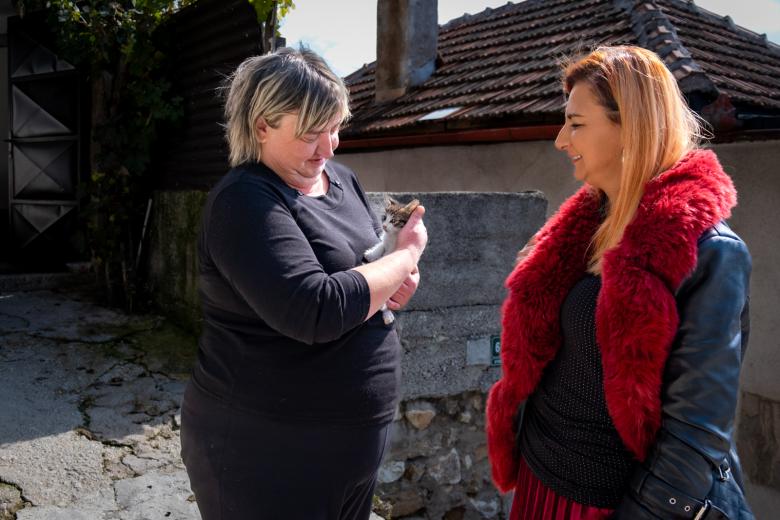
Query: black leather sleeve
point(701, 381)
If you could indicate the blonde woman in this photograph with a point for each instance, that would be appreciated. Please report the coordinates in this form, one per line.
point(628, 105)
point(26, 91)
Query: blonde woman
point(297, 379)
point(626, 320)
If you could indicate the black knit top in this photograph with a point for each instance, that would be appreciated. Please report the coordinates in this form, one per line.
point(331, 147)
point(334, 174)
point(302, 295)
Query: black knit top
point(567, 436)
point(283, 311)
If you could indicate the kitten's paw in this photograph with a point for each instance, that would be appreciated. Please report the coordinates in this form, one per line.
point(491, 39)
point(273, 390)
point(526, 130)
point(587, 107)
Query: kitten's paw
point(388, 317)
point(375, 253)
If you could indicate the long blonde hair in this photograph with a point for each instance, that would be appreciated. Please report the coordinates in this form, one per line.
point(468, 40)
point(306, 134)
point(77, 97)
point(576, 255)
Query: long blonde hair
point(657, 127)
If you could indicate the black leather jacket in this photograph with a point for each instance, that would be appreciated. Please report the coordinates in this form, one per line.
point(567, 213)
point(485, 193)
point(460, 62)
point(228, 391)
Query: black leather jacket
point(693, 467)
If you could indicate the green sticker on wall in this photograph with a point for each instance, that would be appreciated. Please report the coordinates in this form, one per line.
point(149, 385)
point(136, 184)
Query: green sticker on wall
point(495, 351)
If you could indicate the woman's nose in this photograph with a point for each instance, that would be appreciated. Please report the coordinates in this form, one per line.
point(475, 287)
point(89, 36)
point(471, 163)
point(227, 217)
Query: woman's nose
point(562, 141)
point(325, 146)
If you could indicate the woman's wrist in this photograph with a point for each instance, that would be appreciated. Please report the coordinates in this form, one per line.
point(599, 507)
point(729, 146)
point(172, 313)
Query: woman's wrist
point(414, 254)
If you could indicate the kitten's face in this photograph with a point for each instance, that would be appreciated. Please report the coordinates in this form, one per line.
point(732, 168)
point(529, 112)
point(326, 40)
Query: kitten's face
point(396, 214)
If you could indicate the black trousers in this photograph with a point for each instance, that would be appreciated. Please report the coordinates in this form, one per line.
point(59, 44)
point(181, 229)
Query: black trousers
point(248, 467)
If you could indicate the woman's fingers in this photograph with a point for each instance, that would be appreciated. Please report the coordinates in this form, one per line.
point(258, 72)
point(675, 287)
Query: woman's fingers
point(405, 292)
point(414, 235)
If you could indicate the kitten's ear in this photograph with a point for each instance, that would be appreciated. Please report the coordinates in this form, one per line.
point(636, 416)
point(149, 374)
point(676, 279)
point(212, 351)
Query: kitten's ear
point(391, 201)
point(412, 206)
point(385, 203)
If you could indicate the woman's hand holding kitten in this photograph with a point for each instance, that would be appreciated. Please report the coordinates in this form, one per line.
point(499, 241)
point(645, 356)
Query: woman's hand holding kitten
point(403, 230)
point(405, 292)
point(413, 236)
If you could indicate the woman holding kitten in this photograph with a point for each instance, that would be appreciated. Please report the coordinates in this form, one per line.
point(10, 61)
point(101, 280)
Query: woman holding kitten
point(626, 318)
point(297, 378)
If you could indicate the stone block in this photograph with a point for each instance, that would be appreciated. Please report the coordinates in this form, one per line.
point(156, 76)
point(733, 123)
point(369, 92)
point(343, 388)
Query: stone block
point(488, 506)
point(447, 469)
point(405, 502)
point(407, 442)
point(473, 238)
point(414, 471)
point(390, 471)
point(420, 414)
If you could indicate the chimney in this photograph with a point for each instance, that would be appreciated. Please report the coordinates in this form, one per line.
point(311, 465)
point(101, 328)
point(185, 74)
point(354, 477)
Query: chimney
point(407, 33)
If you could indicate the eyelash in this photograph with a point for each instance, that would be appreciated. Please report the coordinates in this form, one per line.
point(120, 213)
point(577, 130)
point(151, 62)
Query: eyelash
point(575, 125)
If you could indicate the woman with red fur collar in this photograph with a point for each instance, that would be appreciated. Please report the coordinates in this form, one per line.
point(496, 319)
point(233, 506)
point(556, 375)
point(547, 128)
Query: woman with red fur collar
point(626, 318)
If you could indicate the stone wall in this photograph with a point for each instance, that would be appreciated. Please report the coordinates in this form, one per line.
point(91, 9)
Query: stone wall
point(436, 465)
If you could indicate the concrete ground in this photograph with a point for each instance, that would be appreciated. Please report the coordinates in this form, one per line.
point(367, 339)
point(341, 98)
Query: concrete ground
point(89, 408)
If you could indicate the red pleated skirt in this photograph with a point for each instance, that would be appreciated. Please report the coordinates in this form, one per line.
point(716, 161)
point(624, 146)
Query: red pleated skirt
point(534, 501)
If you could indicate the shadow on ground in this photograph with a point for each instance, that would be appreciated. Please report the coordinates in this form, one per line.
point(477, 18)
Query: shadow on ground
point(89, 419)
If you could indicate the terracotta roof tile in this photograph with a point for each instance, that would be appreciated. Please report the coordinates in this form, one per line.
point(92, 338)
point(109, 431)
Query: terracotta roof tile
point(501, 66)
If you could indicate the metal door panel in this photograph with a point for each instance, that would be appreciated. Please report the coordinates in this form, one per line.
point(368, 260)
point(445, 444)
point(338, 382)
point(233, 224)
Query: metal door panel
point(31, 117)
point(41, 226)
point(44, 170)
point(31, 58)
point(44, 144)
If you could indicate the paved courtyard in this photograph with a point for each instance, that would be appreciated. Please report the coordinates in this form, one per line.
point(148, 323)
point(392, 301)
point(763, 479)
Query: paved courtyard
point(90, 412)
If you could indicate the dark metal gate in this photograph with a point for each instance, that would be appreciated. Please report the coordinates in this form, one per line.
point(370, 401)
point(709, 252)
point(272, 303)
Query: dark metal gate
point(44, 146)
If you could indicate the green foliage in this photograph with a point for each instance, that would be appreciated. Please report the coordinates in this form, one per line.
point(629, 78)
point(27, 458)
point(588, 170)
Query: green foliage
point(115, 44)
point(264, 8)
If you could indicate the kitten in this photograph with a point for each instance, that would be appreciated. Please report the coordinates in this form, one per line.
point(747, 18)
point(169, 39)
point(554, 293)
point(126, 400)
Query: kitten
point(395, 217)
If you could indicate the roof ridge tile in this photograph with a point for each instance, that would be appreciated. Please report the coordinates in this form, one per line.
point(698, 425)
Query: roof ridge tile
point(657, 33)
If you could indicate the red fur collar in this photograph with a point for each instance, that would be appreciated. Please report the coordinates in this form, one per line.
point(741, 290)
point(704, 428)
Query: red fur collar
point(636, 314)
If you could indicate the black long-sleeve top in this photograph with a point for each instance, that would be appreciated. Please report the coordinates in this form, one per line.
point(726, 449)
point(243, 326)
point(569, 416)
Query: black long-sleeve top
point(283, 331)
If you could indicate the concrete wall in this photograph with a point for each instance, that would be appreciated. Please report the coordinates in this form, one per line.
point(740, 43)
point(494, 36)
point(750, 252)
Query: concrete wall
point(504, 167)
point(172, 258)
point(538, 166)
point(754, 168)
point(463, 270)
point(436, 463)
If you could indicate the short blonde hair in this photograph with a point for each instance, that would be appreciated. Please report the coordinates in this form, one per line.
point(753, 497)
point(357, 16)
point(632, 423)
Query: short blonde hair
point(288, 81)
point(656, 125)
